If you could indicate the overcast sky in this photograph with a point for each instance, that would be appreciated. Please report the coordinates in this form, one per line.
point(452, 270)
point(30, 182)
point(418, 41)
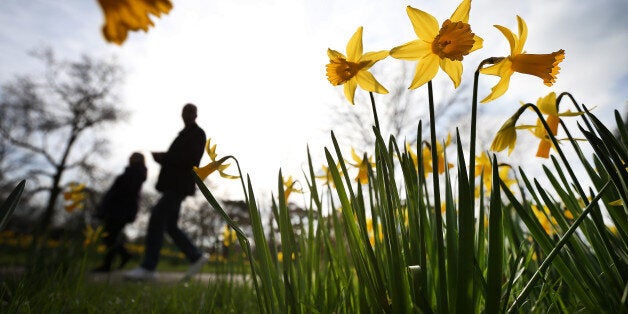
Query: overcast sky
point(256, 68)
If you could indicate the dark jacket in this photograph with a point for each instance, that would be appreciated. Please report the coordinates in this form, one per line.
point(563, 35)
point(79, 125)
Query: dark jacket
point(176, 167)
point(121, 201)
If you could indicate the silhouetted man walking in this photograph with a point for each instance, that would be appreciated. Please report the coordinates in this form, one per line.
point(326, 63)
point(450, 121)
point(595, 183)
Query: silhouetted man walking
point(175, 182)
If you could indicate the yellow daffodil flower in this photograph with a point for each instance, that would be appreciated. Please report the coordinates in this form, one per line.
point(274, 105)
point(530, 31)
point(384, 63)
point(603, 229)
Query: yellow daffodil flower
point(363, 166)
point(483, 167)
point(92, 235)
point(214, 165)
point(288, 185)
point(506, 137)
point(352, 70)
point(326, 177)
point(228, 236)
point(547, 221)
point(547, 105)
point(122, 16)
point(426, 153)
point(75, 196)
point(544, 66)
point(618, 202)
point(445, 46)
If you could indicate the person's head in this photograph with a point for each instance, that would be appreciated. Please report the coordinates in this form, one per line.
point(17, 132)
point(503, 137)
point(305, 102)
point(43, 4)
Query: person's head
point(188, 114)
point(136, 159)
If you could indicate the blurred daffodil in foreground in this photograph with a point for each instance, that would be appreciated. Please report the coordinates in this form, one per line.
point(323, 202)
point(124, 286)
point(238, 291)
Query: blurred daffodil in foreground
point(214, 165)
point(363, 166)
point(352, 70)
point(122, 16)
point(289, 187)
point(228, 236)
point(445, 46)
point(544, 66)
point(75, 196)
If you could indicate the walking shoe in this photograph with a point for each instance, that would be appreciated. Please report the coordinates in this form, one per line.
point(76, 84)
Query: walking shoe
point(195, 267)
point(140, 274)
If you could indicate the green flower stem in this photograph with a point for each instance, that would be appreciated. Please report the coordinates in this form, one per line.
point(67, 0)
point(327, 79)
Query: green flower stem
point(474, 114)
point(442, 276)
point(374, 111)
point(573, 100)
point(550, 257)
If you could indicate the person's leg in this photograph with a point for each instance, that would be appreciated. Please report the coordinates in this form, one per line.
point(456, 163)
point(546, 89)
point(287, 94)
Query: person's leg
point(179, 238)
point(155, 231)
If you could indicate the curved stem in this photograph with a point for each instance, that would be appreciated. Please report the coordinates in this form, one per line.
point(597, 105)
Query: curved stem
point(442, 275)
point(556, 145)
point(374, 111)
point(474, 110)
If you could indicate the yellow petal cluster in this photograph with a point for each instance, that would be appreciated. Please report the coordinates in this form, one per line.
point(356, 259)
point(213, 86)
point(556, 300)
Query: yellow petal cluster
point(75, 196)
point(228, 236)
point(483, 167)
point(352, 70)
point(544, 66)
point(362, 164)
point(219, 165)
point(443, 47)
point(122, 16)
point(426, 153)
point(289, 187)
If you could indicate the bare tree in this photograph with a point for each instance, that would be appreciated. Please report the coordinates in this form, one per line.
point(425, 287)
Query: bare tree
point(54, 119)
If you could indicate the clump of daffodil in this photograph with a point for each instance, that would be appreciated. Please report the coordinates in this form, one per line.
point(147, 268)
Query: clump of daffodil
point(362, 164)
point(228, 236)
point(289, 187)
point(445, 46)
point(75, 196)
point(483, 167)
point(426, 153)
point(214, 165)
point(352, 70)
point(545, 66)
point(122, 16)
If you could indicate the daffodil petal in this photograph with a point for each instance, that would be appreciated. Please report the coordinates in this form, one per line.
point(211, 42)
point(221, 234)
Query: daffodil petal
point(512, 39)
point(367, 81)
point(547, 104)
point(426, 69)
point(453, 68)
point(523, 35)
point(372, 57)
point(334, 55)
point(499, 89)
point(354, 46)
point(424, 24)
point(349, 89)
point(462, 12)
point(570, 113)
point(414, 50)
point(477, 43)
